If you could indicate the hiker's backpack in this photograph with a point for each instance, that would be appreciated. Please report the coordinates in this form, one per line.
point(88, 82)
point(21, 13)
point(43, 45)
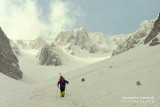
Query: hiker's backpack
point(62, 80)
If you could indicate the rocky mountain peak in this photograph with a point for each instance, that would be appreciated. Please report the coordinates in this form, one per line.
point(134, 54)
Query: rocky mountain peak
point(37, 43)
point(76, 37)
point(148, 31)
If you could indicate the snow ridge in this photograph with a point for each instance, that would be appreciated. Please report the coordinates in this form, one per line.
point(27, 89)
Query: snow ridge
point(134, 39)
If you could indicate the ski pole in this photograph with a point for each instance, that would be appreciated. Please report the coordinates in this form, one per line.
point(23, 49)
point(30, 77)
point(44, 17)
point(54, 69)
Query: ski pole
point(57, 93)
point(66, 90)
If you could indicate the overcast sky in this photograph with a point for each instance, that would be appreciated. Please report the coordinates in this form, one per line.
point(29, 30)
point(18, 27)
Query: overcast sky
point(28, 19)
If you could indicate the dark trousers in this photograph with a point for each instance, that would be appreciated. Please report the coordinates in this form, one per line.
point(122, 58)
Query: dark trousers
point(62, 87)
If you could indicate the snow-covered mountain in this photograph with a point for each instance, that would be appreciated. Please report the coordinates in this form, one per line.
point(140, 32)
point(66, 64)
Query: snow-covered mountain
point(22, 44)
point(102, 41)
point(37, 43)
point(8, 61)
point(82, 44)
point(78, 43)
point(77, 37)
point(80, 40)
point(148, 30)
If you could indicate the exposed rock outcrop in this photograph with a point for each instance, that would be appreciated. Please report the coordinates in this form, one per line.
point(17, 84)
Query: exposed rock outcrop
point(154, 32)
point(49, 55)
point(8, 61)
point(147, 32)
point(134, 39)
point(77, 39)
point(154, 42)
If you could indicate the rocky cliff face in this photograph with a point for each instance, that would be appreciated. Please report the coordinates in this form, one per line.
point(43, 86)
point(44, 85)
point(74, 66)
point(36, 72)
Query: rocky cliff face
point(146, 33)
point(77, 37)
point(8, 61)
point(50, 55)
point(135, 38)
point(154, 32)
point(93, 42)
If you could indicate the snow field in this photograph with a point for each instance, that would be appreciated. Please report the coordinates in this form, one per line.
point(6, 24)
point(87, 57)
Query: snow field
point(106, 82)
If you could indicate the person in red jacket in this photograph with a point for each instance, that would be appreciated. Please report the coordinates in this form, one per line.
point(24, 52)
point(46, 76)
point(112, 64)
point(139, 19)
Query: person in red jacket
point(62, 82)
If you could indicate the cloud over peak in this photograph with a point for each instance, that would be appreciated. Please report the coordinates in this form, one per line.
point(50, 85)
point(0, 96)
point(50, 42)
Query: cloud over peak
point(21, 19)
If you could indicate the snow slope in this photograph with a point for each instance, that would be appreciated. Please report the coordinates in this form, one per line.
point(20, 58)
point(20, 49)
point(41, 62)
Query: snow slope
point(107, 82)
point(33, 72)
